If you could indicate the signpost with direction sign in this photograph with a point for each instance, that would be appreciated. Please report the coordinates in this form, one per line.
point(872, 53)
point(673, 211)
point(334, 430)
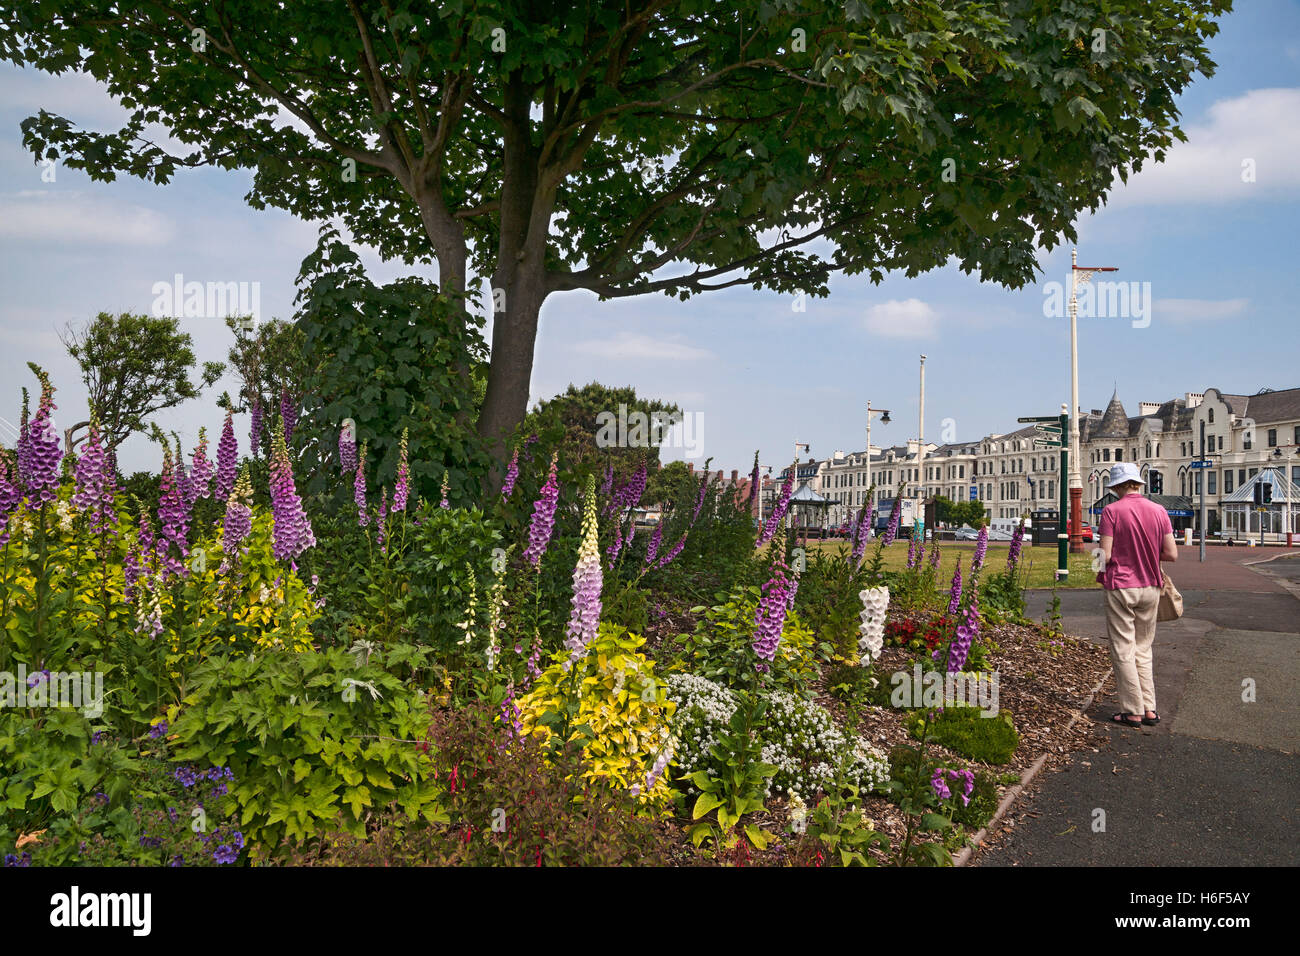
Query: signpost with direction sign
point(1053, 429)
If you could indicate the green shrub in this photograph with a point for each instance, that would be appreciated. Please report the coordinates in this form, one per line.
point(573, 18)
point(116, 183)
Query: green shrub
point(1002, 598)
point(721, 648)
point(313, 738)
point(963, 730)
point(828, 600)
point(983, 799)
point(512, 803)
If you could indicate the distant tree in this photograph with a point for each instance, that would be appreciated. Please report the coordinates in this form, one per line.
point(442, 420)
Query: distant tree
point(668, 484)
point(269, 358)
point(133, 366)
point(599, 426)
point(959, 512)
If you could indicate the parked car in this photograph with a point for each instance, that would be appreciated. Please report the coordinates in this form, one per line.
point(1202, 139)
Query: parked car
point(966, 533)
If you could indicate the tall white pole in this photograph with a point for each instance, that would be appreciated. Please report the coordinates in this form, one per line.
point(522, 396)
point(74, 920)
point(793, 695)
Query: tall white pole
point(1076, 477)
point(920, 448)
point(868, 447)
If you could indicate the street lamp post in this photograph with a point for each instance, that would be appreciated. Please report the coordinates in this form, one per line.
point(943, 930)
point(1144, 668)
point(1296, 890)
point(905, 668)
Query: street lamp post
point(1078, 275)
point(920, 447)
point(884, 420)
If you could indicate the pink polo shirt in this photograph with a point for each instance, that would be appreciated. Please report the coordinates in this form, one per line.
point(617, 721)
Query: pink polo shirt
point(1137, 526)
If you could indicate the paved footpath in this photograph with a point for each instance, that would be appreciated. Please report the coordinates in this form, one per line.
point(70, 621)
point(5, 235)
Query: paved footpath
point(1217, 781)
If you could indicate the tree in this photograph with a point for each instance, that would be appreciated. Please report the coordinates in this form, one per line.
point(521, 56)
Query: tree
point(133, 366)
point(600, 426)
point(638, 146)
point(270, 359)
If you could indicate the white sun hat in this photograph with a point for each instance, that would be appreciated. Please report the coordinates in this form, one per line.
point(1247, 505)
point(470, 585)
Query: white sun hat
point(1122, 472)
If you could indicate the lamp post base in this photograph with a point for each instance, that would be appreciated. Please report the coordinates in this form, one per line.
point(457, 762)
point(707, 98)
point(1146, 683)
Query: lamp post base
point(1076, 521)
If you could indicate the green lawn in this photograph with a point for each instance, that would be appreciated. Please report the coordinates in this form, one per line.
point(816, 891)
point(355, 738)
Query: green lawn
point(1038, 562)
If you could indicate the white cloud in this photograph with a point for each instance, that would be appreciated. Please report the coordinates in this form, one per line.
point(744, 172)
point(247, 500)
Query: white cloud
point(76, 218)
point(1255, 132)
point(632, 345)
point(1198, 310)
point(902, 319)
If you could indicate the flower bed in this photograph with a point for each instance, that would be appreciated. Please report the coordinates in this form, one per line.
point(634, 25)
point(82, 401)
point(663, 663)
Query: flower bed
point(358, 667)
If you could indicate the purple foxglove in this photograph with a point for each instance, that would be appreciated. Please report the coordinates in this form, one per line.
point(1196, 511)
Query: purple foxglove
point(954, 593)
point(608, 483)
point(512, 475)
point(543, 521)
point(348, 447)
point(403, 485)
point(255, 426)
point(911, 551)
point(629, 496)
point(44, 455)
point(444, 503)
point(359, 489)
point(172, 515)
point(1017, 540)
point(656, 536)
point(10, 496)
point(778, 513)
point(200, 483)
point(238, 522)
point(22, 445)
point(672, 552)
point(381, 522)
point(91, 479)
point(862, 533)
point(614, 549)
point(293, 533)
point(753, 483)
point(967, 631)
point(981, 548)
point(227, 457)
point(891, 532)
point(769, 619)
point(934, 558)
point(699, 498)
point(584, 616)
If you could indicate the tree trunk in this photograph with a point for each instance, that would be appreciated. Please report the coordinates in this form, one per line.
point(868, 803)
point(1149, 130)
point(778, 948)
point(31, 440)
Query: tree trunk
point(519, 283)
point(514, 335)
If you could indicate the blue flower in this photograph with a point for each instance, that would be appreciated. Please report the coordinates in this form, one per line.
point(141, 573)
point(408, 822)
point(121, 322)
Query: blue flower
point(24, 860)
point(158, 729)
point(225, 854)
point(186, 776)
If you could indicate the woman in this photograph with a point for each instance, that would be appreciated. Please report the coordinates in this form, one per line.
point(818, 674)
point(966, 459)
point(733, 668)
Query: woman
point(1136, 536)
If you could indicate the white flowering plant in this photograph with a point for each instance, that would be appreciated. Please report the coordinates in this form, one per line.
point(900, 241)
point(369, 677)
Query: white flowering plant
point(806, 746)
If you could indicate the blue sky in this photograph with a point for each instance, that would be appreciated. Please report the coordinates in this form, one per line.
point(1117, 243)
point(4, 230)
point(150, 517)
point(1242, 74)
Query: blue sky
point(1219, 254)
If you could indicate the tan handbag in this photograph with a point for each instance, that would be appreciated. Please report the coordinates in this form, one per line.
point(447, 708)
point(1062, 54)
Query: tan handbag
point(1171, 602)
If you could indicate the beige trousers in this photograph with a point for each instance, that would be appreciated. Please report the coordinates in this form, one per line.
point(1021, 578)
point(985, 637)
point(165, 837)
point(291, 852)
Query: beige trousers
point(1131, 627)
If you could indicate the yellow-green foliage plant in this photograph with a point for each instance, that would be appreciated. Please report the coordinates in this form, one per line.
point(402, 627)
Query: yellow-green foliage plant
point(259, 601)
point(615, 706)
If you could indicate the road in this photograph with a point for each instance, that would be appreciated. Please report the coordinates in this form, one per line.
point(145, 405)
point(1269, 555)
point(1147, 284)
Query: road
point(1217, 781)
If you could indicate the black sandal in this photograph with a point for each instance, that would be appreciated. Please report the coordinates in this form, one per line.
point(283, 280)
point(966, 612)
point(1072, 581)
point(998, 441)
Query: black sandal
point(1123, 718)
point(1152, 721)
